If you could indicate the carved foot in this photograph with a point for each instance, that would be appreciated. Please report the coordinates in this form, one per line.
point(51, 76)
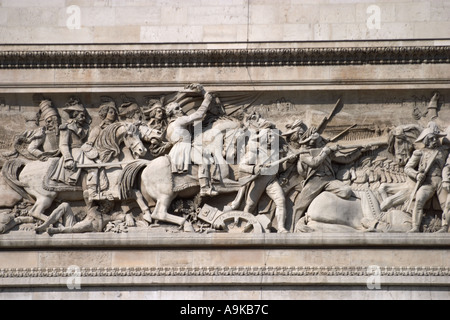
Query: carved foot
point(148, 217)
point(414, 230)
point(282, 230)
point(210, 192)
point(130, 222)
point(52, 231)
point(41, 229)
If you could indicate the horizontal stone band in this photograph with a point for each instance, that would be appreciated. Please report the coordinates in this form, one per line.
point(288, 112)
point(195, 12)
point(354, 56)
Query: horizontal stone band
point(222, 57)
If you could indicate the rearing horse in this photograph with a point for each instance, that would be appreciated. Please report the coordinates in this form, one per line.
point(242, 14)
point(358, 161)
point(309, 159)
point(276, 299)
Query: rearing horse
point(29, 176)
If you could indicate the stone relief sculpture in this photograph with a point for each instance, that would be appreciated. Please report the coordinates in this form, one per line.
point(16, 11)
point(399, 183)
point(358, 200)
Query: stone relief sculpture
point(41, 143)
point(185, 162)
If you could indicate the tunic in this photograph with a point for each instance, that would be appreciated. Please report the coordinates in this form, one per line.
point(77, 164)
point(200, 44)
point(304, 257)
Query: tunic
point(72, 139)
point(179, 135)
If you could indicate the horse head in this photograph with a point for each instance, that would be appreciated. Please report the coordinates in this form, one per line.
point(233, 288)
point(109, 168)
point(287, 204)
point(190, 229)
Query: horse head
point(133, 142)
point(401, 142)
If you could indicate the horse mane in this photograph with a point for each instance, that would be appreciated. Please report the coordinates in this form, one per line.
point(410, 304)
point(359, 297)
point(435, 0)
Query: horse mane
point(106, 143)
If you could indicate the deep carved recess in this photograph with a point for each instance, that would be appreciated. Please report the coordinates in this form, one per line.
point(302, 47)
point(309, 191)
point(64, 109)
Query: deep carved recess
point(222, 58)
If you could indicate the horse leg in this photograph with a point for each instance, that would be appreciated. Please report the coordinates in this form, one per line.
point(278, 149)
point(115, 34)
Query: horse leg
point(160, 213)
point(42, 204)
point(161, 208)
point(137, 194)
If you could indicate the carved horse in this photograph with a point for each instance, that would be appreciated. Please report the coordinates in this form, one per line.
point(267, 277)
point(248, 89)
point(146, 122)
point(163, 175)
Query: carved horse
point(363, 212)
point(329, 213)
point(152, 182)
point(27, 177)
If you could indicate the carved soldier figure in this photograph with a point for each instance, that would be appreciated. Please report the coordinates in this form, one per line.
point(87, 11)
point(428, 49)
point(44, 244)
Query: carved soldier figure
point(98, 216)
point(316, 161)
point(74, 134)
point(426, 167)
point(252, 165)
point(158, 116)
point(97, 181)
point(179, 135)
point(158, 125)
point(41, 143)
point(295, 132)
point(446, 188)
point(9, 220)
point(363, 174)
point(109, 114)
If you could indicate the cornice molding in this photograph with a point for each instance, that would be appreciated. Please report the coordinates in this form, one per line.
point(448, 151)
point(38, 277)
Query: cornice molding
point(204, 58)
point(176, 241)
point(288, 271)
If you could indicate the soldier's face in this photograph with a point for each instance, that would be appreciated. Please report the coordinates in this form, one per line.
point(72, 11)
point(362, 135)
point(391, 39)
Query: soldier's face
point(80, 118)
point(432, 141)
point(111, 115)
point(159, 114)
point(51, 123)
point(178, 111)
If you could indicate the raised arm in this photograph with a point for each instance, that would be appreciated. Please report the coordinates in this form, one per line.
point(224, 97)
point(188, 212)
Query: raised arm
point(315, 162)
point(199, 114)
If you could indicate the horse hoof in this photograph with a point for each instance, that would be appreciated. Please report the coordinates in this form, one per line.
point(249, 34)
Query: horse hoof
point(187, 227)
point(148, 217)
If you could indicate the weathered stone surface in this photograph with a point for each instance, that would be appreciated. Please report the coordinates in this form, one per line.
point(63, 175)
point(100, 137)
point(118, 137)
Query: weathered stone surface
point(282, 62)
point(192, 21)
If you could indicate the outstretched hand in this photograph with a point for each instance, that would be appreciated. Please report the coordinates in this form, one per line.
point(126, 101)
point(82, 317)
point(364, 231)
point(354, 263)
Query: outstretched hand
point(196, 87)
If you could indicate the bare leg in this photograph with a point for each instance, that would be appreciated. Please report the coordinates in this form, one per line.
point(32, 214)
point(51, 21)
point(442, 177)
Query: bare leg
point(424, 194)
point(81, 227)
point(276, 193)
point(63, 211)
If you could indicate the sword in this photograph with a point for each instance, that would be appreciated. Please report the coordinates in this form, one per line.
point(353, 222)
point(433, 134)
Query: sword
point(103, 165)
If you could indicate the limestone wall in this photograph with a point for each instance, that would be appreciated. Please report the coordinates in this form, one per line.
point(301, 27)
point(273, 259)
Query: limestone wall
point(176, 21)
point(285, 58)
point(230, 267)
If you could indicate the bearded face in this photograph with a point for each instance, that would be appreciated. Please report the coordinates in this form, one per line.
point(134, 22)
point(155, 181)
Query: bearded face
point(51, 123)
point(80, 118)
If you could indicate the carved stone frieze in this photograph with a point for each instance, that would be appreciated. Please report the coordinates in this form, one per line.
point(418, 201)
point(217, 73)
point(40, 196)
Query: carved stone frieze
point(222, 57)
point(254, 165)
